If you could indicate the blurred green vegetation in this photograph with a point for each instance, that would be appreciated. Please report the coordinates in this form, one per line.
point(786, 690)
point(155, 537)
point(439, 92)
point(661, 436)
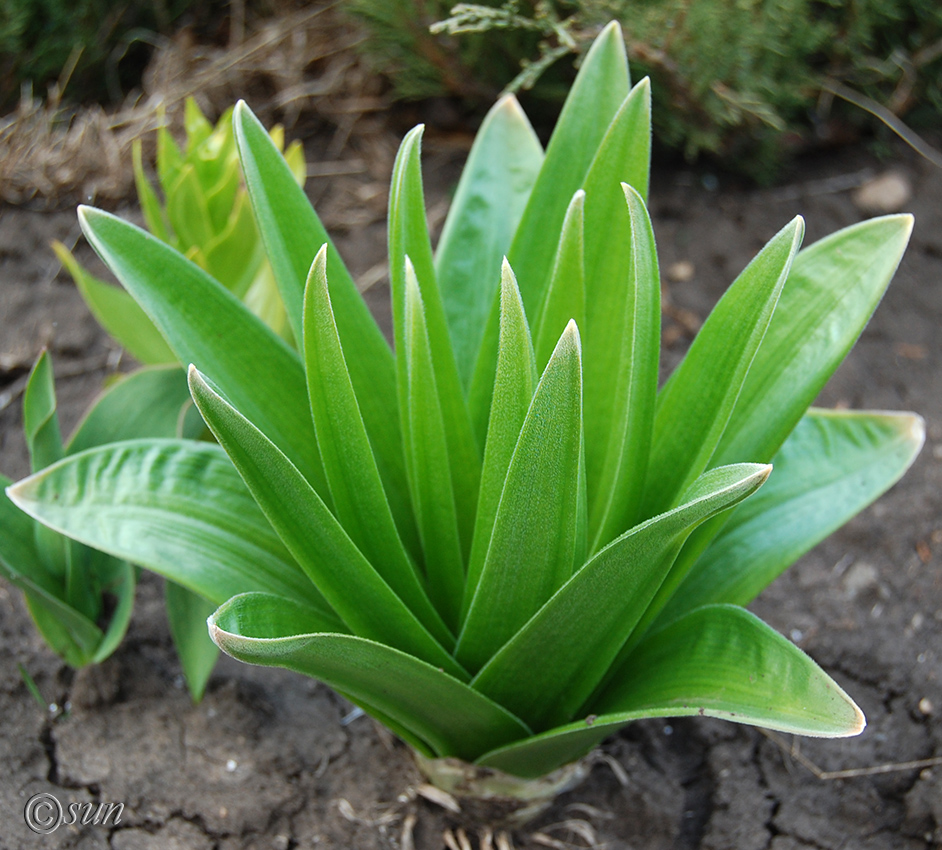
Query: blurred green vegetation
point(748, 81)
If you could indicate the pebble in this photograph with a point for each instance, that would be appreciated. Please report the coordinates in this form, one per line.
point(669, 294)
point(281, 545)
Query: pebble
point(926, 707)
point(860, 577)
point(681, 271)
point(887, 193)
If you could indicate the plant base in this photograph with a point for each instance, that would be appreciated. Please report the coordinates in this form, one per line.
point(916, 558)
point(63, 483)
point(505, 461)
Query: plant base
point(490, 796)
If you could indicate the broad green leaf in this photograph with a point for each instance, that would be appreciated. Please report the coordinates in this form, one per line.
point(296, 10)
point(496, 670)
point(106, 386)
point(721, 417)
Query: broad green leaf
point(548, 669)
point(187, 211)
point(409, 238)
point(565, 297)
point(178, 508)
point(292, 234)
point(147, 197)
point(18, 552)
point(597, 94)
point(349, 583)
point(618, 444)
point(44, 442)
point(146, 403)
point(428, 461)
point(695, 404)
point(495, 183)
point(533, 542)
point(720, 661)
point(832, 290)
point(207, 326)
point(436, 707)
point(187, 613)
point(69, 633)
point(118, 313)
point(355, 486)
point(833, 465)
point(513, 391)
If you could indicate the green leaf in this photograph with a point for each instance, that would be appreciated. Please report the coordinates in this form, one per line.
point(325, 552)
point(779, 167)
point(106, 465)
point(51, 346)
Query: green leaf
point(599, 90)
point(198, 129)
point(408, 238)
point(146, 403)
point(553, 664)
point(565, 297)
point(428, 461)
point(44, 442)
point(40, 421)
point(833, 465)
point(187, 210)
point(436, 707)
point(187, 613)
point(118, 313)
point(593, 102)
point(202, 322)
point(719, 661)
point(348, 582)
point(147, 197)
point(169, 159)
point(620, 424)
point(175, 507)
point(292, 234)
point(532, 546)
point(355, 486)
point(233, 255)
point(513, 391)
point(122, 588)
point(495, 184)
point(832, 290)
point(695, 404)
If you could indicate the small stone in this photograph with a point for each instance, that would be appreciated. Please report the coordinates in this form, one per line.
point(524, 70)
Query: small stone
point(681, 271)
point(861, 576)
point(926, 707)
point(887, 193)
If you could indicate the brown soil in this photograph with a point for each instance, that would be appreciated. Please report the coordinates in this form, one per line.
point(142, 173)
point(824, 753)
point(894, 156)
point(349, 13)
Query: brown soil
point(267, 759)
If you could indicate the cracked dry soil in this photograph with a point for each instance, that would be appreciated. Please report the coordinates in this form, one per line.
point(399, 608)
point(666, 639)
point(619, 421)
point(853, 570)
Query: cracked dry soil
point(266, 761)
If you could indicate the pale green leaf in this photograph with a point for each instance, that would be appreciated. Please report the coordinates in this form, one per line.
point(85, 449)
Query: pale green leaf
point(118, 313)
point(434, 706)
point(513, 391)
point(533, 542)
point(428, 461)
point(175, 507)
point(207, 326)
point(598, 92)
point(408, 237)
point(550, 668)
point(349, 583)
point(293, 234)
point(565, 296)
point(187, 211)
point(355, 486)
point(832, 290)
point(492, 193)
point(720, 661)
point(146, 403)
point(187, 613)
point(695, 404)
point(833, 465)
point(147, 197)
point(620, 418)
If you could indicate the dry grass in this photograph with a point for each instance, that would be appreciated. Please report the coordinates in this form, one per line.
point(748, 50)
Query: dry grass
point(298, 63)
